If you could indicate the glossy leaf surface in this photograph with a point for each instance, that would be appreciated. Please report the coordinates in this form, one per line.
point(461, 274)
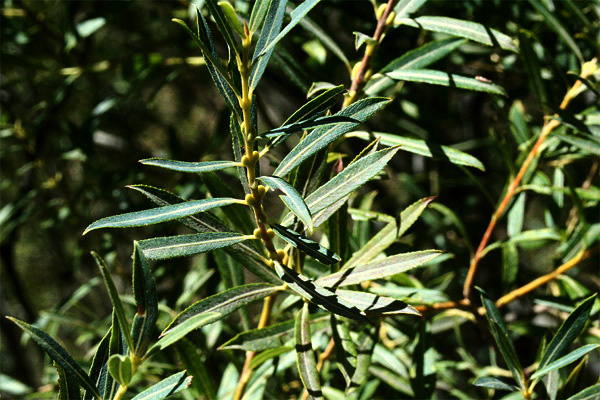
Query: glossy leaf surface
point(186, 245)
point(184, 166)
point(434, 77)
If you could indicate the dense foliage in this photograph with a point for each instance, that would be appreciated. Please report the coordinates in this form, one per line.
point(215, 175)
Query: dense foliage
point(333, 199)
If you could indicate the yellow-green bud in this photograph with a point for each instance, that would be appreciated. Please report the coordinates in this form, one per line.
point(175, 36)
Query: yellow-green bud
point(255, 156)
point(355, 69)
point(250, 199)
point(231, 16)
point(280, 254)
point(270, 233)
point(257, 233)
point(390, 18)
point(246, 162)
point(261, 190)
point(380, 10)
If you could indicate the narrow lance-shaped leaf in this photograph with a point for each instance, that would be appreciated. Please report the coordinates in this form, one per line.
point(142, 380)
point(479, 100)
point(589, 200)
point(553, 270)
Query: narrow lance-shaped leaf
point(422, 147)
point(434, 77)
point(305, 356)
point(68, 385)
point(166, 387)
point(372, 304)
point(590, 393)
point(270, 30)
point(57, 353)
point(565, 360)
point(494, 383)
point(321, 137)
point(313, 249)
point(568, 332)
point(160, 214)
point(378, 269)
point(466, 29)
point(365, 346)
point(307, 124)
point(188, 245)
point(195, 366)
point(98, 361)
point(115, 299)
point(181, 330)
point(292, 199)
point(319, 295)
point(259, 11)
point(406, 7)
point(223, 24)
point(108, 385)
point(184, 166)
point(144, 293)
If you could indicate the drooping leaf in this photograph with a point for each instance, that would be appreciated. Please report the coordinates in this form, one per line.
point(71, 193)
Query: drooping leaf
point(321, 137)
point(494, 383)
point(269, 32)
point(192, 362)
point(115, 299)
point(292, 199)
point(160, 214)
point(422, 147)
point(313, 249)
point(244, 254)
point(272, 336)
point(568, 332)
point(434, 77)
point(466, 29)
point(223, 24)
point(372, 304)
point(187, 245)
point(319, 295)
point(565, 360)
point(500, 334)
point(144, 293)
point(119, 367)
point(224, 303)
point(307, 124)
point(305, 356)
point(184, 166)
point(378, 269)
point(297, 14)
point(166, 387)
point(180, 331)
point(406, 7)
point(57, 353)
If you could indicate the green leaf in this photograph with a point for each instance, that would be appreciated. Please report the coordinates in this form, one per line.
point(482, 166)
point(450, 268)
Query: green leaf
point(267, 355)
point(57, 353)
point(305, 356)
point(98, 364)
point(407, 7)
point(237, 143)
point(375, 246)
point(352, 177)
point(270, 29)
point(372, 304)
point(223, 24)
point(68, 387)
point(181, 330)
point(557, 27)
point(192, 362)
point(364, 351)
point(160, 214)
point(500, 334)
point(590, 145)
point(325, 39)
point(115, 299)
point(307, 124)
point(166, 387)
point(271, 337)
point(225, 303)
point(321, 137)
point(466, 29)
point(184, 166)
point(232, 17)
point(297, 14)
point(244, 254)
point(418, 58)
point(589, 393)
point(108, 385)
point(345, 350)
point(319, 295)
point(516, 216)
point(532, 66)
point(144, 293)
point(378, 269)
point(187, 245)
point(292, 199)
point(568, 332)
point(565, 360)
point(313, 249)
point(422, 147)
point(434, 77)
point(494, 383)
point(257, 16)
point(316, 106)
point(119, 367)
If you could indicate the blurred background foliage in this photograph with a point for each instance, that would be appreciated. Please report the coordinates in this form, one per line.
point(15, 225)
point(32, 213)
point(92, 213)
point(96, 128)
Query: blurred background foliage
point(91, 87)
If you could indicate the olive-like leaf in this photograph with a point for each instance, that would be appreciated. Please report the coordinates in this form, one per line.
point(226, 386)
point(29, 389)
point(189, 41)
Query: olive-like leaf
point(321, 137)
point(494, 383)
point(57, 353)
point(269, 354)
point(68, 386)
point(98, 363)
point(180, 331)
point(372, 304)
point(319, 295)
point(305, 355)
point(160, 214)
point(223, 24)
point(307, 124)
point(313, 249)
point(589, 393)
point(316, 106)
point(166, 387)
point(257, 16)
point(292, 199)
point(466, 29)
point(378, 269)
point(422, 148)
point(187, 245)
point(406, 7)
point(195, 366)
point(144, 293)
point(565, 360)
point(185, 166)
point(434, 77)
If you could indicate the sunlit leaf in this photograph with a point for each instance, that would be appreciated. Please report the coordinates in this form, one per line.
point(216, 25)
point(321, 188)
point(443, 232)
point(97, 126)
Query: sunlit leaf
point(191, 360)
point(313, 249)
point(257, 16)
point(180, 331)
point(372, 304)
point(292, 199)
point(307, 124)
point(494, 383)
point(166, 387)
point(406, 7)
point(119, 367)
point(268, 355)
point(565, 360)
point(223, 24)
point(590, 393)
point(305, 356)
point(187, 245)
point(434, 77)
point(144, 293)
point(184, 166)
